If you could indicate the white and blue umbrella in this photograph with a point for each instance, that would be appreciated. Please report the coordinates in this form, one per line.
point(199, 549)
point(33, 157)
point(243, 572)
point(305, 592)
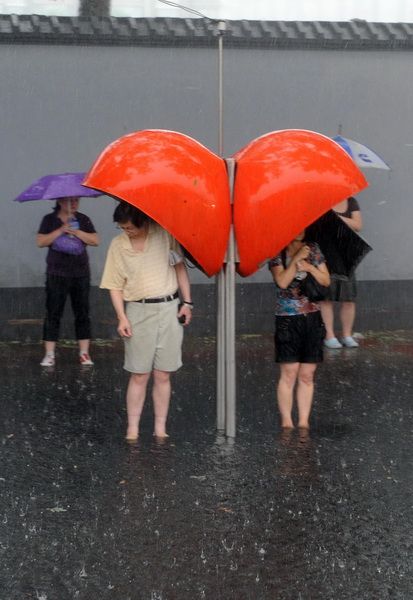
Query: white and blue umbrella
point(363, 156)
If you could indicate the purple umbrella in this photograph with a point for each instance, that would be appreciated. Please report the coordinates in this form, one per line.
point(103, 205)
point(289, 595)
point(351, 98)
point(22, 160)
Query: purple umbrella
point(61, 185)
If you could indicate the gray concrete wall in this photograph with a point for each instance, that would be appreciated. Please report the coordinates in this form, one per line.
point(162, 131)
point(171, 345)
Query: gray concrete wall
point(61, 105)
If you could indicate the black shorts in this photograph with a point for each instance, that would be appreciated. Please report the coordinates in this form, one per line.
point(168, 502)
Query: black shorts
point(342, 289)
point(299, 338)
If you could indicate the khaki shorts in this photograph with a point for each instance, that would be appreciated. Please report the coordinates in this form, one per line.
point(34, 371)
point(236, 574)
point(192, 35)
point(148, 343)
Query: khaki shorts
point(156, 340)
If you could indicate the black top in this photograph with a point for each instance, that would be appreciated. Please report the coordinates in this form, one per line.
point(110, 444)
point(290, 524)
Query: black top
point(60, 263)
point(352, 206)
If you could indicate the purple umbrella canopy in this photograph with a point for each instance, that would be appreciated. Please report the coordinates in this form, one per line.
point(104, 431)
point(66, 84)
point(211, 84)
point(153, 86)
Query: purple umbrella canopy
point(61, 185)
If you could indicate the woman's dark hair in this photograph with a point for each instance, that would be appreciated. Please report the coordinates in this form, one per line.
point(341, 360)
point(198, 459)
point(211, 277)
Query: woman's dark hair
point(307, 236)
point(125, 212)
point(57, 205)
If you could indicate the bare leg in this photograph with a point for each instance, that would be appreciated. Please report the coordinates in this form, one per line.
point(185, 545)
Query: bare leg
point(50, 347)
point(84, 346)
point(49, 357)
point(327, 313)
point(347, 316)
point(161, 394)
point(285, 390)
point(305, 392)
point(135, 399)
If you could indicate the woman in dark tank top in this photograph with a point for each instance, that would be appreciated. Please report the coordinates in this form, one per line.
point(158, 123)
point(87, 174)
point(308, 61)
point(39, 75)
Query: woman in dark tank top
point(343, 291)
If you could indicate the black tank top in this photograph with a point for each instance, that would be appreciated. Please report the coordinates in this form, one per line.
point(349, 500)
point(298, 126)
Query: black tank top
point(352, 206)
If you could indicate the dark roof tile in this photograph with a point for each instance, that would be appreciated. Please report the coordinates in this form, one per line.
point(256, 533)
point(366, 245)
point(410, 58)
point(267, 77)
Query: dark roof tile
point(354, 34)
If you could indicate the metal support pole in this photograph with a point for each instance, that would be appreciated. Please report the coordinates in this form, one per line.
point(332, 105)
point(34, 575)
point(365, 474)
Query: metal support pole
point(220, 279)
point(221, 30)
point(230, 363)
point(226, 364)
point(220, 287)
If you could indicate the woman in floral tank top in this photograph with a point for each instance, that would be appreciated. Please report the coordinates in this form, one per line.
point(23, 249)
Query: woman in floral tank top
point(299, 329)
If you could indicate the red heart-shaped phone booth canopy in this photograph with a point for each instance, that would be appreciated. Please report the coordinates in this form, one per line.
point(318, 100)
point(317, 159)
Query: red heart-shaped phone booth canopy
point(176, 181)
point(284, 181)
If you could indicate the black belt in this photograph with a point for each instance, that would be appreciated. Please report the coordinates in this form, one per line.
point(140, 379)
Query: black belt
point(160, 299)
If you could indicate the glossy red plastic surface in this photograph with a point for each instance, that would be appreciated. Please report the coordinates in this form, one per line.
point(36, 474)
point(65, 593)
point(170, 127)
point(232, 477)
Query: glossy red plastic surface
point(284, 181)
point(177, 182)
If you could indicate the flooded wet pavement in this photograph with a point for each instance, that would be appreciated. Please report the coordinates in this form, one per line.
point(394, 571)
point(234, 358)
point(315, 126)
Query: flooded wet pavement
point(265, 516)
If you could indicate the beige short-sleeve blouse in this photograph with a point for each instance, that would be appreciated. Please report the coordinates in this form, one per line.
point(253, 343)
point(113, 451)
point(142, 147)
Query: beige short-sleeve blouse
point(145, 274)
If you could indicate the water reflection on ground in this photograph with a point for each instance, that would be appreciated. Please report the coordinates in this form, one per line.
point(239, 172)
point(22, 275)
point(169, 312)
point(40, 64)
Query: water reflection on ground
point(270, 515)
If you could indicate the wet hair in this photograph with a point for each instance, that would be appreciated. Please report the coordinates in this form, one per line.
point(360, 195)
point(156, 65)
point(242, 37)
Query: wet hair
point(125, 212)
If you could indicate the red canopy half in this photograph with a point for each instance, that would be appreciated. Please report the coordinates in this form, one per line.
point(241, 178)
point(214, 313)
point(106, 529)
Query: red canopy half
point(284, 181)
point(175, 180)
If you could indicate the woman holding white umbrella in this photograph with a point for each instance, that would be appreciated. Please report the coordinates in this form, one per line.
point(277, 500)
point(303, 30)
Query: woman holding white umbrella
point(342, 289)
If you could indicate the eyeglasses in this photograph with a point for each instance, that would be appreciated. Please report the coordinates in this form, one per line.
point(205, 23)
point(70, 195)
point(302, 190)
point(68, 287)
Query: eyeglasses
point(127, 229)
